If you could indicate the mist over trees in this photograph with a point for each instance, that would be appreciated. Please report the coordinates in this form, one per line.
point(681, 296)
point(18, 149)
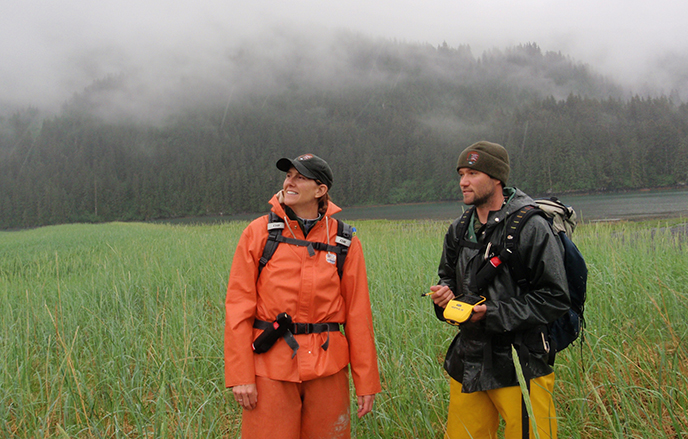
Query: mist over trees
point(390, 117)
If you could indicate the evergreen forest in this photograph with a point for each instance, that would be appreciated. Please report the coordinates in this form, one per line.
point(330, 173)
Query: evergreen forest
point(390, 117)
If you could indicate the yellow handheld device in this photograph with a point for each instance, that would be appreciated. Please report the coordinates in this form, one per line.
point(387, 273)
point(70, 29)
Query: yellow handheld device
point(460, 310)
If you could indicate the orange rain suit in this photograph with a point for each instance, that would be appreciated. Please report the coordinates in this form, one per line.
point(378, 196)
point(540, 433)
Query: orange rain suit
point(309, 289)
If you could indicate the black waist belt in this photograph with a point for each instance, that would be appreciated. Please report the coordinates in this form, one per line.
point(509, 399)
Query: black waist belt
point(301, 328)
point(313, 328)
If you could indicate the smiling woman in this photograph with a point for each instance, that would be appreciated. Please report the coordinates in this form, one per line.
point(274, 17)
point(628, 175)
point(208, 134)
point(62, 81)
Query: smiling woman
point(298, 384)
point(301, 194)
point(305, 187)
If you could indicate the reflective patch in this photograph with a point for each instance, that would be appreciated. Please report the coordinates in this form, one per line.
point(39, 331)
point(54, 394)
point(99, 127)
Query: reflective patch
point(272, 226)
point(343, 241)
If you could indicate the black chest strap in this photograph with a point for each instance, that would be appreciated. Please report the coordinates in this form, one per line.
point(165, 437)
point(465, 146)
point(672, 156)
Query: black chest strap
point(276, 226)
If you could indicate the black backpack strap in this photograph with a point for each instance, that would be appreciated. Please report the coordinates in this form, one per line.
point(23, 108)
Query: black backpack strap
point(275, 227)
point(312, 246)
point(345, 233)
point(463, 228)
point(525, 418)
point(512, 232)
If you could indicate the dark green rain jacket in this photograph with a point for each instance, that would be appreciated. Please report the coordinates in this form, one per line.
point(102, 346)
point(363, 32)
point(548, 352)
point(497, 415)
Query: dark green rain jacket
point(480, 356)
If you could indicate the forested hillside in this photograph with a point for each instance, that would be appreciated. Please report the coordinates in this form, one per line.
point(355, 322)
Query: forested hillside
point(390, 117)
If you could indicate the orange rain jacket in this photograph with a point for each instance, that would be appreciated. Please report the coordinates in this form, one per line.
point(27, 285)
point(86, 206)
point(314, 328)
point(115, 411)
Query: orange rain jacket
point(309, 290)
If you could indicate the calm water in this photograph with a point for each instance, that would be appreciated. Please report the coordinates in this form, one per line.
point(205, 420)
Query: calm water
point(598, 207)
point(635, 205)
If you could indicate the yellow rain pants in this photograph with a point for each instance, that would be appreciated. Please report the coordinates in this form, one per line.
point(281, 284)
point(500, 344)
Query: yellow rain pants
point(476, 415)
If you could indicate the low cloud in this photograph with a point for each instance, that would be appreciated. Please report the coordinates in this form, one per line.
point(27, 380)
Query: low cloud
point(53, 50)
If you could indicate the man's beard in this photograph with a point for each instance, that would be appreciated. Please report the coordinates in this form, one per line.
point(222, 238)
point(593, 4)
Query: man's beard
point(481, 200)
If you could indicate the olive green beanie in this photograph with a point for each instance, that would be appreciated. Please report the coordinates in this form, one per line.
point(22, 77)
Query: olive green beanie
point(486, 157)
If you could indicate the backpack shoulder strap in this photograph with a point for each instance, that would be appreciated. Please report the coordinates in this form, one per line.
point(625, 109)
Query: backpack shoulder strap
point(512, 232)
point(463, 228)
point(275, 227)
point(345, 234)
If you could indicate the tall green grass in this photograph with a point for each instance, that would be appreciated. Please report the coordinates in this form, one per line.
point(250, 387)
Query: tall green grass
point(115, 330)
point(630, 378)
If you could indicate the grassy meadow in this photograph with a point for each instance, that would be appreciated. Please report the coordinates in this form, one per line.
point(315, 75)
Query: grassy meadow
point(115, 330)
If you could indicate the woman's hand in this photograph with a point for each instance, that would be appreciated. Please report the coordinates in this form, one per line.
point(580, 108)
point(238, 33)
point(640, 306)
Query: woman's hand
point(365, 405)
point(246, 395)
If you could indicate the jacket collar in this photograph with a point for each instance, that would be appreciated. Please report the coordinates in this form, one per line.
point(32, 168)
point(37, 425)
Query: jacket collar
point(515, 200)
point(278, 207)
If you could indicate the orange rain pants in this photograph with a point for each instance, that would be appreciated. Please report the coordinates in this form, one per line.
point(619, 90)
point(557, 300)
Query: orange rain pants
point(314, 409)
point(476, 415)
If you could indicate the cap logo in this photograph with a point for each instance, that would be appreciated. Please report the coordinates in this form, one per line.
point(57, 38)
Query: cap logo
point(304, 157)
point(472, 158)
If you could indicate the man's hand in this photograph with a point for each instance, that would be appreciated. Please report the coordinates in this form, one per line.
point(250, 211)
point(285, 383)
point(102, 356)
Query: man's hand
point(479, 312)
point(441, 295)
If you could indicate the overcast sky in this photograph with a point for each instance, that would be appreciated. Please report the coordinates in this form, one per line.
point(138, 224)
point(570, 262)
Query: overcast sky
point(51, 49)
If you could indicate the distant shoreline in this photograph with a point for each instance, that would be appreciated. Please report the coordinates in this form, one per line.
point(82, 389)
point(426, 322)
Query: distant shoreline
point(590, 207)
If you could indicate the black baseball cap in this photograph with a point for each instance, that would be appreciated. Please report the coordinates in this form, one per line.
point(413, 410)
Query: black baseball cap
point(309, 165)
